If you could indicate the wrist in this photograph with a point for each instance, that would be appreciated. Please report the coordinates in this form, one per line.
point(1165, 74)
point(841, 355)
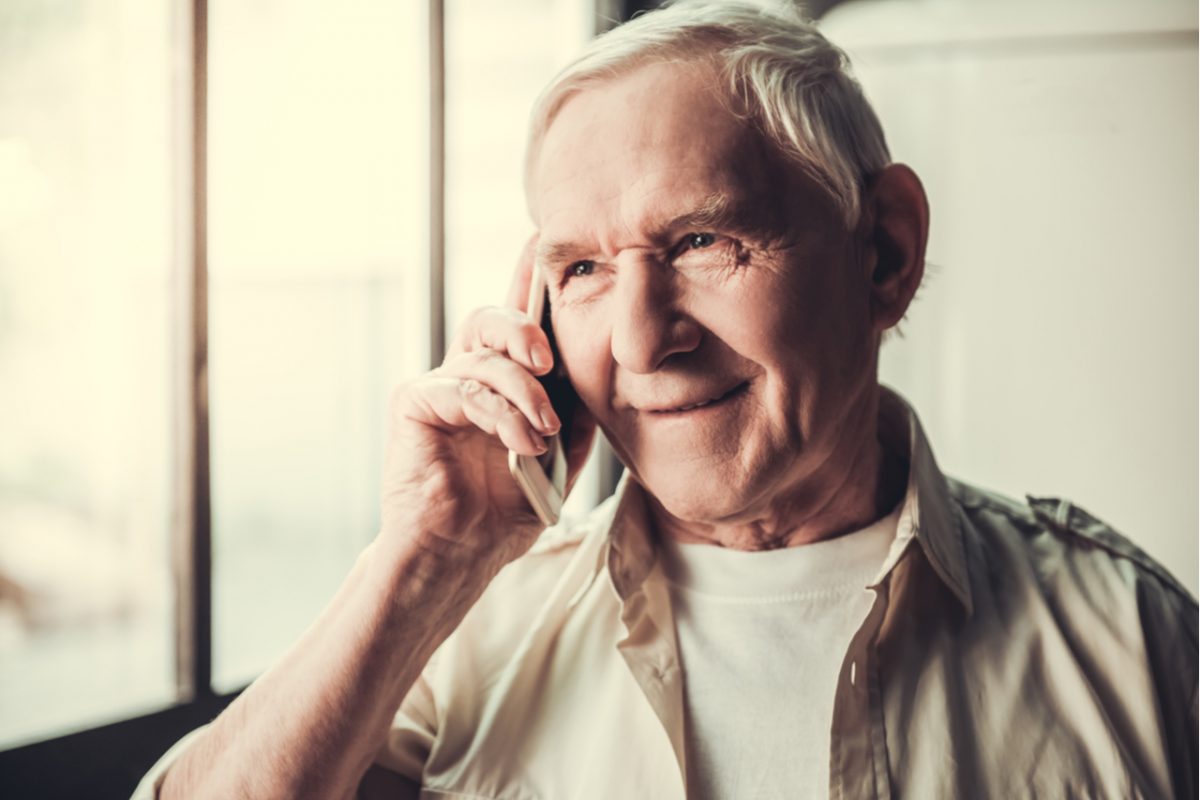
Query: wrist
point(429, 575)
point(478, 549)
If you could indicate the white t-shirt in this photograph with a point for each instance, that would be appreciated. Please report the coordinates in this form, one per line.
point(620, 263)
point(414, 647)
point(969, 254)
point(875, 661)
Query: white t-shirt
point(762, 636)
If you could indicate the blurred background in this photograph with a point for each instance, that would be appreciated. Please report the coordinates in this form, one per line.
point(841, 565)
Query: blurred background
point(228, 228)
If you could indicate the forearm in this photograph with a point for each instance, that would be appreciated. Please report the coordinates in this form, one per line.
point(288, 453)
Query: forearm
point(310, 726)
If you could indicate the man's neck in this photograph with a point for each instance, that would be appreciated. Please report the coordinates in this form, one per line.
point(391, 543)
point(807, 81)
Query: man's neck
point(863, 485)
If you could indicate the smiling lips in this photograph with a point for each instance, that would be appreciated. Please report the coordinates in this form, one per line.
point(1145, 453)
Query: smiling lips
point(725, 395)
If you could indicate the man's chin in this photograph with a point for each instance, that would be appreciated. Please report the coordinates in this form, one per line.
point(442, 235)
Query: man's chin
point(697, 502)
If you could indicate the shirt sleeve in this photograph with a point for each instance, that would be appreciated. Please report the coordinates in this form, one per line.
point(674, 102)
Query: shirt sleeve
point(404, 751)
point(414, 730)
point(151, 783)
point(1169, 625)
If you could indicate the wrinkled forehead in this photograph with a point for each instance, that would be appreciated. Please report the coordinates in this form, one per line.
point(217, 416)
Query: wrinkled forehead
point(667, 126)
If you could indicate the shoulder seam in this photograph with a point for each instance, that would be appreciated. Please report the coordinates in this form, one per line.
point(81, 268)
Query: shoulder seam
point(1058, 523)
point(980, 498)
point(1013, 512)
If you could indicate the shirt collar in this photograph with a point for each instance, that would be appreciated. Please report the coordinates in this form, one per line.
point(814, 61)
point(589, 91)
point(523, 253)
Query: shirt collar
point(928, 513)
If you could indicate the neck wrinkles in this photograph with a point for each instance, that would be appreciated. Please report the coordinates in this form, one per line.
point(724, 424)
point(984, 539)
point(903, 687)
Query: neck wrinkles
point(856, 486)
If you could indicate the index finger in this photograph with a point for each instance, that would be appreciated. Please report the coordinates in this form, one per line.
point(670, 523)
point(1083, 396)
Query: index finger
point(518, 290)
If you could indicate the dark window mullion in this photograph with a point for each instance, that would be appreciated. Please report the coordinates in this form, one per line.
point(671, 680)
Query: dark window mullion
point(435, 12)
point(193, 521)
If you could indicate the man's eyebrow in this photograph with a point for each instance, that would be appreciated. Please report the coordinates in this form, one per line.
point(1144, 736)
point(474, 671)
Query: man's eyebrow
point(557, 252)
point(718, 211)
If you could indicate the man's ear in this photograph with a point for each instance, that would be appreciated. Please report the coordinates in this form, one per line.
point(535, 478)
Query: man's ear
point(896, 221)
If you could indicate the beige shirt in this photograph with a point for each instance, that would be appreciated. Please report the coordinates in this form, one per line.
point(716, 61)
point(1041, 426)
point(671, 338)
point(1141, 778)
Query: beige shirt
point(1011, 650)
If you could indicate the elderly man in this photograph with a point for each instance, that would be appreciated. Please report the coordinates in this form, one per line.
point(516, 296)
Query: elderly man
point(785, 597)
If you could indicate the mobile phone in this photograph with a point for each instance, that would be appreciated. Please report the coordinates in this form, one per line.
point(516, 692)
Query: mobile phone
point(543, 479)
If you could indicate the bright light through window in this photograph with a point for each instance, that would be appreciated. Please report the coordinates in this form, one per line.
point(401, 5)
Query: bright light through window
point(318, 298)
point(86, 217)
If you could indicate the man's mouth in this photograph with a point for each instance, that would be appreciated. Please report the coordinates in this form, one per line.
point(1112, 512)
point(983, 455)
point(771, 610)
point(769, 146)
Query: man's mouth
point(711, 401)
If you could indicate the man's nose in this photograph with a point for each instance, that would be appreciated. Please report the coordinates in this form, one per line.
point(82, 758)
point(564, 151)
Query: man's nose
point(649, 321)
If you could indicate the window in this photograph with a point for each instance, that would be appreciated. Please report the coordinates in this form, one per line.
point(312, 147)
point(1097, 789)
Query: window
point(86, 301)
point(290, 219)
point(318, 300)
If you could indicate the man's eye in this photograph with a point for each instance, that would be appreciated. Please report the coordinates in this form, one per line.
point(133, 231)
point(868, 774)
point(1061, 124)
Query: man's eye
point(698, 241)
point(581, 268)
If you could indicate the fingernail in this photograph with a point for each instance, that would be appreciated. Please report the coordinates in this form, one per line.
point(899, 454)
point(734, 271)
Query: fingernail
point(538, 443)
point(550, 422)
point(542, 358)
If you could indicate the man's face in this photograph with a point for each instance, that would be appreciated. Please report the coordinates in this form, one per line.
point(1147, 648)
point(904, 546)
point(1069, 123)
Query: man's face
point(708, 302)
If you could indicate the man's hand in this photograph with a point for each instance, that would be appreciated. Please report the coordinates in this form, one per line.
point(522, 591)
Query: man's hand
point(447, 487)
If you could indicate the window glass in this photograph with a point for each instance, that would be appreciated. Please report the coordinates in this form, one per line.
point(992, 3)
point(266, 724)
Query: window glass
point(86, 215)
point(318, 297)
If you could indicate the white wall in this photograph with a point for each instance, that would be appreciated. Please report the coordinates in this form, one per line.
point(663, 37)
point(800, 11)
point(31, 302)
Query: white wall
point(1053, 349)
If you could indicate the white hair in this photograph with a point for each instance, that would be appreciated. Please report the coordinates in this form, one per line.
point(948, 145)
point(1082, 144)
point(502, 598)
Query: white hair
point(795, 85)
